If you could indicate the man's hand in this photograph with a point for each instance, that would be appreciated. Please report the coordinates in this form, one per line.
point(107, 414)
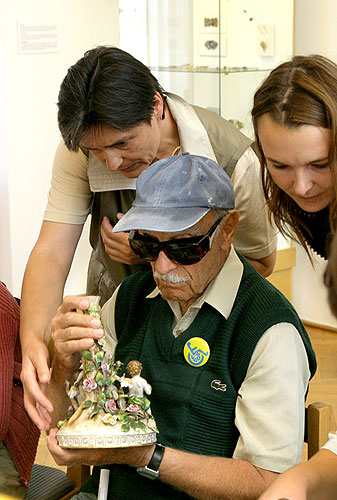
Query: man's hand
point(135, 456)
point(73, 332)
point(35, 376)
point(117, 244)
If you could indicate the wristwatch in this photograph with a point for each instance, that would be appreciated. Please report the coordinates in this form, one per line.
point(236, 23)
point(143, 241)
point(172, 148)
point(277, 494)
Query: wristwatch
point(151, 469)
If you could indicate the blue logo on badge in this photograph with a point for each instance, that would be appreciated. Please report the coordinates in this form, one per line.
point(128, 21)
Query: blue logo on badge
point(196, 351)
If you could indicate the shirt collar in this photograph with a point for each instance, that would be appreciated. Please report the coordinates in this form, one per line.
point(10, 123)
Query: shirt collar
point(222, 290)
point(193, 136)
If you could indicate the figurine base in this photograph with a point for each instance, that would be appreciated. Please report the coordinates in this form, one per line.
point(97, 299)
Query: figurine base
point(80, 431)
point(122, 440)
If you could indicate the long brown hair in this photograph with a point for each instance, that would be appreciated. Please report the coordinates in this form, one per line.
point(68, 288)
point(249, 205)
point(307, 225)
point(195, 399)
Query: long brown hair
point(302, 91)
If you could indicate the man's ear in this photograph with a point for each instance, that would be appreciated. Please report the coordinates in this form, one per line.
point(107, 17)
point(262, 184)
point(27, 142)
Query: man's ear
point(228, 227)
point(158, 106)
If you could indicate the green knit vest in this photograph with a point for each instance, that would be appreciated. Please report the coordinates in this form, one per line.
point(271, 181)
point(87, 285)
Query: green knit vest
point(190, 414)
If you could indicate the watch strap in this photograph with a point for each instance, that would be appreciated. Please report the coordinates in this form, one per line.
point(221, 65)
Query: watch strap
point(151, 469)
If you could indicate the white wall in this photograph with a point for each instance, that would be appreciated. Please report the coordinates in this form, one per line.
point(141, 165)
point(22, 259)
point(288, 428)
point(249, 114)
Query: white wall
point(315, 32)
point(309, 293)
point(5, 246)
point(29, 87)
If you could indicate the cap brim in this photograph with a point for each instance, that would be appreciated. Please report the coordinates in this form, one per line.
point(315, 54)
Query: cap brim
point(166, 220)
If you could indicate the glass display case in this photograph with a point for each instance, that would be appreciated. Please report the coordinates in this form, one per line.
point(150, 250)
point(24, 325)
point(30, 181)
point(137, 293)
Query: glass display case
point(213, 53)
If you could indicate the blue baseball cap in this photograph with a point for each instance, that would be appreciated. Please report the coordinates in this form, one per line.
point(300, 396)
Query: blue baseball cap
point(173, 194)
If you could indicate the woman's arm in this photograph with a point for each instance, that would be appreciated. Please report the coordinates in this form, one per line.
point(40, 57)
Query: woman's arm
point(312, 480)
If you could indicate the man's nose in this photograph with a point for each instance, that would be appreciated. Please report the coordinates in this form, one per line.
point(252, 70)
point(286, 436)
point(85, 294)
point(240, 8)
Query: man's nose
point(163, 264)
point(112, 160)
point(303, 182)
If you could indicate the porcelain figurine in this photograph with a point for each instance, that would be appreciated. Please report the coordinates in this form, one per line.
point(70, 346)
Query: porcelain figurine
point(107, 410)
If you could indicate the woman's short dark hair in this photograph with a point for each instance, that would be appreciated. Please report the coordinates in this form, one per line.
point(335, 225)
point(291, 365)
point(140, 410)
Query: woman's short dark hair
point(302, 91)
point(107, 86)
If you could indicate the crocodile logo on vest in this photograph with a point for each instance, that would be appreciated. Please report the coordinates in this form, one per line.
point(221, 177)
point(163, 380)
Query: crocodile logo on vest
point(218, 386)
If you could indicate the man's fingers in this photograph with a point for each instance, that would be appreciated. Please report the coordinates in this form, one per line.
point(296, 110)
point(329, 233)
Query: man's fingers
point(73, 326)
point(73, 319)
point(73, 302)
point(74, 338)
point(113, 240)
point(54, 448)
point(118, 248)
point(73, 346)
point(116, 241)
point(106, 225)
point(73, 331)
point(66, 318)
point(61, 456)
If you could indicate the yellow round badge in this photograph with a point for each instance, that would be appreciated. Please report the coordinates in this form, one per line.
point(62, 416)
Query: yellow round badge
point(196, 351)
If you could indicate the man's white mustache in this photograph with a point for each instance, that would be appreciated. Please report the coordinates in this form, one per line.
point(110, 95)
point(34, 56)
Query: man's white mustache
point(171, 277)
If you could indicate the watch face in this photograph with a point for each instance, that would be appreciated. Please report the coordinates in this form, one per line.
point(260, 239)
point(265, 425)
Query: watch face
point(149, 473)
point(151, 469)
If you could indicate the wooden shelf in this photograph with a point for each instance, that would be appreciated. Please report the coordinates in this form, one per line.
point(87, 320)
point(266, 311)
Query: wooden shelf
point(282, 276)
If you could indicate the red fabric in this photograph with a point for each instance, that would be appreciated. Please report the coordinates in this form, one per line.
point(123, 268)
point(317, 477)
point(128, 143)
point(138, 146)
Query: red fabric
point(16, 429)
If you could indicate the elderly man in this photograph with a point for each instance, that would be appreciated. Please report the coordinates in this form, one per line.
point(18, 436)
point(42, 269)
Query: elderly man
point(115, 121)
point(222, 349)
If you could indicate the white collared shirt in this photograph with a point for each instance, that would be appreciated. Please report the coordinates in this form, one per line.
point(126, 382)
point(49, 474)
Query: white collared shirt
point(277, 377)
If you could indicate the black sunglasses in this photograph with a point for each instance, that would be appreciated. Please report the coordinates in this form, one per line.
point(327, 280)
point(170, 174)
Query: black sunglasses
point(183, 251)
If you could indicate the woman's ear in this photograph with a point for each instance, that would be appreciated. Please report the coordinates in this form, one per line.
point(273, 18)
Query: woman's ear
point(228, 227)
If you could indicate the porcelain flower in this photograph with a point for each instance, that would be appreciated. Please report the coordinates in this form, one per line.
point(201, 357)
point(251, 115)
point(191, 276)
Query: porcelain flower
point(111, 405)
point(89, 384)
point(105, 368)
point(110, 419)
point(133, 408)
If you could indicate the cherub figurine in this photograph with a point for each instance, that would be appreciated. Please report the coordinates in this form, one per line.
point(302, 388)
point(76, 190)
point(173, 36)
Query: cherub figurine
point(137, 385)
